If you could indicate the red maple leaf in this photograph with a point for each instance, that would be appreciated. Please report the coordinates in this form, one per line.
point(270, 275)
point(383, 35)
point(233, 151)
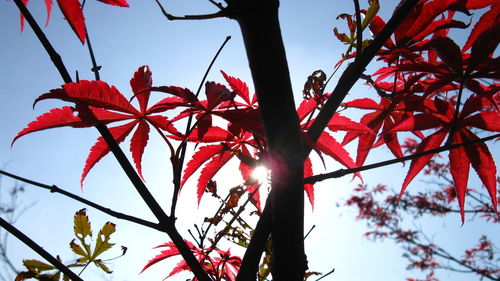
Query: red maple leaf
point(454, 67)
point(420, 23)
point(229, 143)
point(386, 113)
point(440, 114)
point(222, 267)
point(107, 105)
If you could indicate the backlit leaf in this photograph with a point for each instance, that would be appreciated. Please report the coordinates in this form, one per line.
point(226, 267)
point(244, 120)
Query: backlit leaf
point(100, 148)
point(72, 11)
point(37, 265)
point(459, 168)
point(82, 224)
point(77, 249)
point(102, 243)
point(102, 266)
point(120, 3)
point(417, 164)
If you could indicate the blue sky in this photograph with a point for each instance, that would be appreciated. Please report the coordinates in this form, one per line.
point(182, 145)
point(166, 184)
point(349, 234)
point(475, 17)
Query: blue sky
point(178, 54)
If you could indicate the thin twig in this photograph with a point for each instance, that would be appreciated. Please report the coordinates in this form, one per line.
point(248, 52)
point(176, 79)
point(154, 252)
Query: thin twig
point(250, 262)
point(353, 72)
point(219, 14)
point(203, 233)
point(54, 56)
point(454, 122)
point(309, 232)
point(55, 189)
point(167, 223)
point(178, 169)
point(359, 30)
point(343, 172)
point(39, 250)
point(217, 4)
point(331, 271)
point(95, 67)
point(235, 216)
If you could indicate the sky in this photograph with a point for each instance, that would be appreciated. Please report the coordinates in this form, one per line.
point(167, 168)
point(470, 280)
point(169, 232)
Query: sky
point(178, 53)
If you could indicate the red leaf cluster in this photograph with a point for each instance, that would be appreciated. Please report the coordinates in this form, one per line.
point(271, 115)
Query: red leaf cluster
point(223, 266)
point(431, 84)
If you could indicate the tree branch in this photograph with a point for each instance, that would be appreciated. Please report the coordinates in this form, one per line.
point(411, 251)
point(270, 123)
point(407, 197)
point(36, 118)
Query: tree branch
point(266, 54)
point(55, 189)
point(250, 263)
point(354, 71)
point(342, 172)
point(54, 56)
point(165, 222)
point(39, 250)
point(219, 14)
point(95, 68)
point(177, 169)
point(359, 30)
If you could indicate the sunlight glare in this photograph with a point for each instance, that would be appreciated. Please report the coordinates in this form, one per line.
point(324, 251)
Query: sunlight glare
point(260, 174)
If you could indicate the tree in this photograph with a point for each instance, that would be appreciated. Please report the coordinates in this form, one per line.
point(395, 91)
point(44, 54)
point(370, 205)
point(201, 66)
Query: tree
point(423, 64)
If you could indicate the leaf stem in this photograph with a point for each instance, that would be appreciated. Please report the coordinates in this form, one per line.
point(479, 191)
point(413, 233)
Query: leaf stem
point(456, 115)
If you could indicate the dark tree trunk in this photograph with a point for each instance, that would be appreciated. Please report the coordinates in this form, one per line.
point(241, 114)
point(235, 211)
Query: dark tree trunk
point(259, 24)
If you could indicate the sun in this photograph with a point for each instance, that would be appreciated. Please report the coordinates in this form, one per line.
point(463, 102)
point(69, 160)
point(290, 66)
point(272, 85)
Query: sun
point(260, 174)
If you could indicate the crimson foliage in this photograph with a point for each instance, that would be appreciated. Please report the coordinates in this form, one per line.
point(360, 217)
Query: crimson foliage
point(430, 86)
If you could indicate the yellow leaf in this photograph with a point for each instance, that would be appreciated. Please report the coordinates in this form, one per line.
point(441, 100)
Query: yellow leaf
point(100, 264)
point(82, 224)
point(77, 249)
point(102, 243)
point(370, 14)
point(37, 265)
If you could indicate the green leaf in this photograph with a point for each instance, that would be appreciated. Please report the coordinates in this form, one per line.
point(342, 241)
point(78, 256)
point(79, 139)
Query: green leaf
point(100, 264)
point(35, 265)
point(102, 243)
point(82, 224)
point(370, 14)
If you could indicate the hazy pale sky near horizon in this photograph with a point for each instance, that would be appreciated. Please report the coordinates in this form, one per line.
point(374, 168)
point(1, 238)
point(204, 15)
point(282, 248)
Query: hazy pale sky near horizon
point(178, 54)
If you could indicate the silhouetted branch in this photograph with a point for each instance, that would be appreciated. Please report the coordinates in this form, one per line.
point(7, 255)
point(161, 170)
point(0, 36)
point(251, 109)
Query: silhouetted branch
point(166, 223)
point(95, 67)
point(39, 250)
point(342, 172)
point(330, 272)
point(359, 30)
point(55, 189)
point(177, 169)
point(250, 262)
point(54, 56)
point(219, 14)
point(353, 72)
